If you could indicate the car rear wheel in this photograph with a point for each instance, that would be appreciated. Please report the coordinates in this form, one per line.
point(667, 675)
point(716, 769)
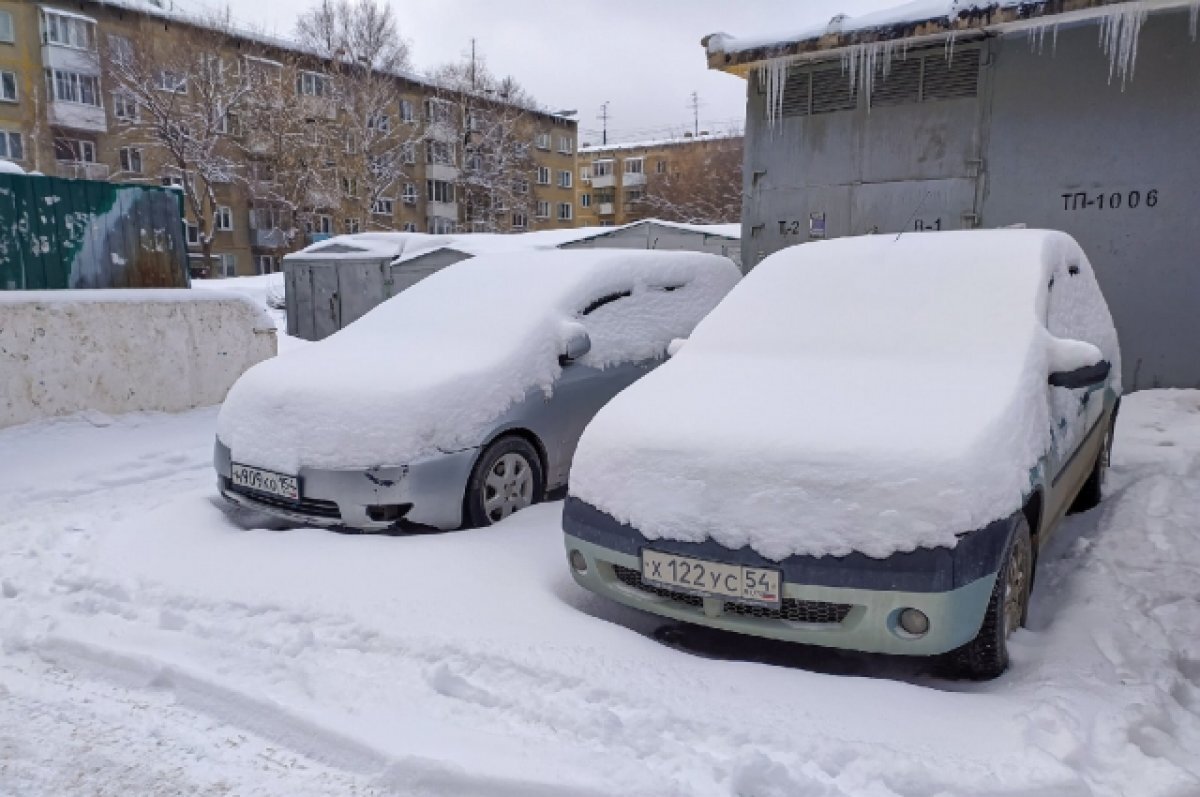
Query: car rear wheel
point(506, 479)
point(986, 656)
point(1093, 489)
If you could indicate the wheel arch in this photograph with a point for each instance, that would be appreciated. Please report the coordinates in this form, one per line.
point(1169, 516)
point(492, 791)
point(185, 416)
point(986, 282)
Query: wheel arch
point(529, 436)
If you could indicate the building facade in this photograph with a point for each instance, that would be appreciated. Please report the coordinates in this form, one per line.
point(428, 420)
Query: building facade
point(622, 183)
point(992, 117)
point(61, 114)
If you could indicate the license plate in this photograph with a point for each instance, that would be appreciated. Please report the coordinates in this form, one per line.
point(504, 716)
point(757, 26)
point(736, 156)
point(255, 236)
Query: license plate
point(696, 576)
point(265, 481)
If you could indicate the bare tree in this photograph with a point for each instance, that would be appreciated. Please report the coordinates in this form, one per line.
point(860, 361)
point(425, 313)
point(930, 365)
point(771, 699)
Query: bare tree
point(702, 184)
point(493, 119)
point(182, 105)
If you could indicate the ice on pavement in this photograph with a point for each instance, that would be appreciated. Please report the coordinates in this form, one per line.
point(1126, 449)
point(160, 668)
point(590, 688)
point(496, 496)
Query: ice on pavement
point(428, 369)
point(151, 643)
point(871, 394)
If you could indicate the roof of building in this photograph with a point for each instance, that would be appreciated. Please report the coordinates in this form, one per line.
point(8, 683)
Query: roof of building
point(919, 20)
point(687, 138)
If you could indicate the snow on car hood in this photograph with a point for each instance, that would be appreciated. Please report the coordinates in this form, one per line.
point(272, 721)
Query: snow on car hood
point(429, 369)
point(871, 395)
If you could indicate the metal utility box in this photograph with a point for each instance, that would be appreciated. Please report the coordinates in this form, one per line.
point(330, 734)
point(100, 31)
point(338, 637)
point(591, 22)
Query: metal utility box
point(1032, 126)
point(59, 233)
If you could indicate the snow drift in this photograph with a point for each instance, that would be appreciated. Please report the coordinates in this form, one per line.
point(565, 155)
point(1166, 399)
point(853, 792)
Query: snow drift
point(428, 369)
point(873, 394)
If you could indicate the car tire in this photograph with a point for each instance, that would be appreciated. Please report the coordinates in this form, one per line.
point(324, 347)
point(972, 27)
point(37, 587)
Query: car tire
point(506, 479)
point(1093, 489)
point(986, 656)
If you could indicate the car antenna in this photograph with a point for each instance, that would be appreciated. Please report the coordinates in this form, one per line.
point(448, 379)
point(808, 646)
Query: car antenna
point(913, 216)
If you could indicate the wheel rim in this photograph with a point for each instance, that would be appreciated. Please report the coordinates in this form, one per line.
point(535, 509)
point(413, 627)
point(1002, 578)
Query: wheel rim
point(1016, 587)
point(508, 487)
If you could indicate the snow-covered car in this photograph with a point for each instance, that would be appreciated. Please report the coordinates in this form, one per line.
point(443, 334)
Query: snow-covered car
point(864, 446)
point(460, 400)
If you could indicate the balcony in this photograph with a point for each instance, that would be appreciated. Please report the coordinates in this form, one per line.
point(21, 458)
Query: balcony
point(77, 170)
point(441, 171)
point(604, 209)
point(444, 210)
point(77, 116)
point(270, 239)
point(633, 178)
point(604, 180)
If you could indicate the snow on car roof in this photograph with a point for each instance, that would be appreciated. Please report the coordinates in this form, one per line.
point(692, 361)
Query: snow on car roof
point(869, 394)
point(428, 369)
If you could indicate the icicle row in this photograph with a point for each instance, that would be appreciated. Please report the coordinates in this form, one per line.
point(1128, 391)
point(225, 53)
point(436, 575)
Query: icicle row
point(1194, 18)
point(772, 77)
point(1120, 30)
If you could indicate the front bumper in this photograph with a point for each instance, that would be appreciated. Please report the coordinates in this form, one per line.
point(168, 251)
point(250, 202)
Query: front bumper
point(429, 493)
point(851, 602)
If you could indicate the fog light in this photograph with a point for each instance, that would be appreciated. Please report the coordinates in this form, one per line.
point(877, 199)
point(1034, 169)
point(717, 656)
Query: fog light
point(914, 622)
point(578, 562)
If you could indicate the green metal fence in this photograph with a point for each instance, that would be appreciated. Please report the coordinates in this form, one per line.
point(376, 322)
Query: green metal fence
point(58, 233)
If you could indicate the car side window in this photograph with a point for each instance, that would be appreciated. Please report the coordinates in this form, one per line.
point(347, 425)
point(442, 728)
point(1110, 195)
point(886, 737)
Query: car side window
point(634, 325)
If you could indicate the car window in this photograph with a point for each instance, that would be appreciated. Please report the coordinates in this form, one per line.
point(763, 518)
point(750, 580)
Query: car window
point(633, 325)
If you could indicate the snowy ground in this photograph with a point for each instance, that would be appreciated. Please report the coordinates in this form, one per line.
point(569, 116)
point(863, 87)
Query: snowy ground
point(154, 643)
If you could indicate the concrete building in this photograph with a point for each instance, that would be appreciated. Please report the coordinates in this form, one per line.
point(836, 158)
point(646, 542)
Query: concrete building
point(59, 115)
point(614, 178)
point(990, 117)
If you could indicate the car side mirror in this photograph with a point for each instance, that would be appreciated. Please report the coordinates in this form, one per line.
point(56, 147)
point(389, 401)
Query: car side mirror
point(577, 345)
point(675, 345)
point(1087, 376)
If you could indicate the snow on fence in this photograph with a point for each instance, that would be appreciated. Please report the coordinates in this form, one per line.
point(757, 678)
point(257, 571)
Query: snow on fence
point(118, 351)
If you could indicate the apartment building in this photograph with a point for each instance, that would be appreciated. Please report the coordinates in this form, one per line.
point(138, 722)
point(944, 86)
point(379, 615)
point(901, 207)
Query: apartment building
point(614, 180)
point(61, 113)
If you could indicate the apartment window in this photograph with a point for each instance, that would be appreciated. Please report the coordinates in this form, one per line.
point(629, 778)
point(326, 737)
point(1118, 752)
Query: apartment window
point(438, 111)
point(12, 146)
point(68, 30)
point(381, 122)
point(409, 227)
point(634, 195)
point(564, 145)
point(519, 221)
point(585, 174)
point(542, 141)
point(75, 150)
point(543, 209)
point(228, 265)
point(440, 226)
point(475, 163)
point(521, 185)
point(6, 27)
point(440, 152)
point(409, 195)
point(407, 112)
point(173, 82)
point(65, 86)
point(192, 232)
point(312, 84)
point(585, 200)
point(564, 179)
point(566, 211)
point(263, 172)
point(660, 167)
point(131, 160)
point(125, 108)
point(408, 153)
point(224, 218)
point(263, 71)
point(352, 226)
point(8, 86)
point(383, 206)
point(439, 191)
point(268, 218)
point(172, 181)
point(543, 175)
point(633, 166)
point(602, 168)
point(264, 264)
point(350, 186)
point(320, 225)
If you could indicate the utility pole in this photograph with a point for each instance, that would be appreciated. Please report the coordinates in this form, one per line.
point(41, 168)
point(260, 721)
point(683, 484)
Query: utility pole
point(694, 103)
point(472, 64)
point(603, 117)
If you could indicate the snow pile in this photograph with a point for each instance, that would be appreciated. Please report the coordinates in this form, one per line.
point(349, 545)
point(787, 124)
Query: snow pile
point(870, 394)
point(428, 369)
point(265, 291)
point(8, 167)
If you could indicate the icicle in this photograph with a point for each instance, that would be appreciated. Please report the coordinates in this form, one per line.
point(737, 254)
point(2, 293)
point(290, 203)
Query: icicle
point(1120, 29)
point(950, 49)
point(772, 76)
point(861, 64)
point(1054, 42)
point(1194, 18)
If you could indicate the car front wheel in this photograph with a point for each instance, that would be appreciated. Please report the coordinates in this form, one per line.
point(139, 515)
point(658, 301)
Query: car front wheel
point(506, 479)
point(986, 656)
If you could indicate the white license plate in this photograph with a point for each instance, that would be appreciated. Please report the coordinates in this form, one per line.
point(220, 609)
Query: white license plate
point(265, 481)
point(749, 584)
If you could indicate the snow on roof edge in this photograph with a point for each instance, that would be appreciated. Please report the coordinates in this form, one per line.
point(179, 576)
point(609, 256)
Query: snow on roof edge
point(660, 142)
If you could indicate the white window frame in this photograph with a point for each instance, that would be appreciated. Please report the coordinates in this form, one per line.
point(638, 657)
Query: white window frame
point(383, 206)
point(585, 174)
point(228, 264)
point(634, 166)
point(171, 181)
point(409, 195)
point(520, 186)
point(441, 226)
point(7, 77)
point(438, 111)
point(122, 104)
point(409, 226)
point(585, 200)
point(439, 191)
point(264, 264)
point(352, 225)
point(543, 175)
point(83, 149)
point(191, 233)
point(566, 211)
point(64, 85)
point(408, 153)
point(602, 168)
point(408, 111)
point(68, 30)
point(7, 137)
point(564, 145)
point(171, 82)
point(542, 141)
point(543, 209)
point(564, 179)
point(312, 84)
point(223, 218)
point(660, 166)
point(8, 34)
point(519, 221)
point(441, 153)
point(127, 157)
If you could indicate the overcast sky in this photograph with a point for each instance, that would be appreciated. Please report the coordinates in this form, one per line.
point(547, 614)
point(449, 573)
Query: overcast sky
point(641, 56)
